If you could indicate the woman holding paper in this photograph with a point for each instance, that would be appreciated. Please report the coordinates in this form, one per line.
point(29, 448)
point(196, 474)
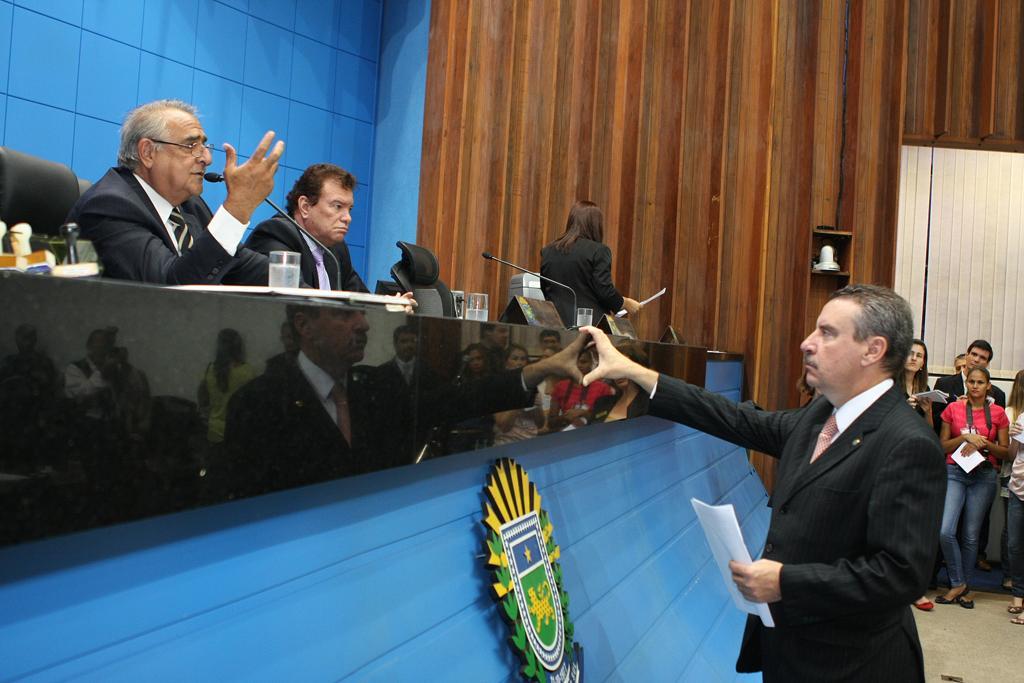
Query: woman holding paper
point(975, 436)
point(915, 379)
point(580, 260)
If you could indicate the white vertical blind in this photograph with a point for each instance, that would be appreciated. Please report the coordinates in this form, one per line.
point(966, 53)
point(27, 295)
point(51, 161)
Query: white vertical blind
point(974, 258)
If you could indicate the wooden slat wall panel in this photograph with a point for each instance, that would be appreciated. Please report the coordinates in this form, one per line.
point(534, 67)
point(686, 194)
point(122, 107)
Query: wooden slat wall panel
point(709, 132)
point(963, 81)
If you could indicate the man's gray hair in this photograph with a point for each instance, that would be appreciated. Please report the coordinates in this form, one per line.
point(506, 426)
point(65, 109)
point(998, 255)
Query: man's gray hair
point(884, 313)
point(146, 121)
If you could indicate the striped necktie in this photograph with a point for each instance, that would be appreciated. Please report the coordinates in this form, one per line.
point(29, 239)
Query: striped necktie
point(182, 238)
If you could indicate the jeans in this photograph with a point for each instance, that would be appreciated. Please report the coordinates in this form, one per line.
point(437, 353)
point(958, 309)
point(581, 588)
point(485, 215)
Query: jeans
point(971, 494)
point(1015, 543)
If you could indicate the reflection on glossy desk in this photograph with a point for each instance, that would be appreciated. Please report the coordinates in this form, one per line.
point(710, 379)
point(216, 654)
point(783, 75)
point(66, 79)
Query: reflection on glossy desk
point(120, 401)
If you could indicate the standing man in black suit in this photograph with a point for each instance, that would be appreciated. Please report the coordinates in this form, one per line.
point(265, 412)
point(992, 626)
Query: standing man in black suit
point(321, 201)
point(979, 355)
point(857, 503)
point(406, 371)
point(145, 217)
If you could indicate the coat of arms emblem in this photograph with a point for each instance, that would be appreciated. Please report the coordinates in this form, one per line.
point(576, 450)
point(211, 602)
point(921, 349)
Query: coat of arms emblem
point(521, 552)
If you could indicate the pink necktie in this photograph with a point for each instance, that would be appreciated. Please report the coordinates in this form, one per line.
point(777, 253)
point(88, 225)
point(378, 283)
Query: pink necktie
point(828, 432)
point(341, 406)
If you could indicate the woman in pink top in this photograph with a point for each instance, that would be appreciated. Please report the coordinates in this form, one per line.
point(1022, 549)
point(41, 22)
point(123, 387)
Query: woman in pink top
point(977, 427)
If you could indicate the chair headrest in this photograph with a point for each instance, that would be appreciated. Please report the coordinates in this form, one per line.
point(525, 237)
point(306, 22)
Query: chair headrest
point(419, 263)
point(35, 191)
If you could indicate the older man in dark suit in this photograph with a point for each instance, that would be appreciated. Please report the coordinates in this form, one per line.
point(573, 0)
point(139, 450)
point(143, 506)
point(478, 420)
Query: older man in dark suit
point(321, 201)
point(145, 217)
point(857, 504)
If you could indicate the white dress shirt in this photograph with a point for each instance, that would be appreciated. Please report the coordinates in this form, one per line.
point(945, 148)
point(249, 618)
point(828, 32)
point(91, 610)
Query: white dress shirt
point(852, 409)
point(322, 383)
point(225, 228)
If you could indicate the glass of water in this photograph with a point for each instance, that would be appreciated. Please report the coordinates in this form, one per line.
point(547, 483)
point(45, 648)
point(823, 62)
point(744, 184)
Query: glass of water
point(476, 307)
point(284, 269)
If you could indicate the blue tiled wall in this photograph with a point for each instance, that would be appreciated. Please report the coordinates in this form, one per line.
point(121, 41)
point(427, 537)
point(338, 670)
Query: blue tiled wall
point(71, 69)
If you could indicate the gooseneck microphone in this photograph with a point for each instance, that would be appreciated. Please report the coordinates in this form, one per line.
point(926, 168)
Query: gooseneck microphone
point(491, 257)
point(214, 177)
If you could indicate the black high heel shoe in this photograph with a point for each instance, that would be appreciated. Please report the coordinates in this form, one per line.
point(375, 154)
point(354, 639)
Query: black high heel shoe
point(964, 602)
point(943, 600)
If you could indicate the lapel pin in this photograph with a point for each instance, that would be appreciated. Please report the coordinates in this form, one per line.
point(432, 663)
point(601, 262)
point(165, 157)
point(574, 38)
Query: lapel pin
point(856, 441)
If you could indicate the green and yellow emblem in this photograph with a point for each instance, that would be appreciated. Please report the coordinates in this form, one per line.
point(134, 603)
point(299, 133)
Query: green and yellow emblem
point(527, 577)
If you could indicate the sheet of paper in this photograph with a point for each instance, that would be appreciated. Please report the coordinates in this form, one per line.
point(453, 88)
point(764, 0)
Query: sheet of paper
point(967, 462)
point(644, 302)
point(1020, 437)
point(722, 530)
point(935, 396)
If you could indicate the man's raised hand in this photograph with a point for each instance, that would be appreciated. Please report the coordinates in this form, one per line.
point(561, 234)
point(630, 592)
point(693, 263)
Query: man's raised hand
point(250, 183)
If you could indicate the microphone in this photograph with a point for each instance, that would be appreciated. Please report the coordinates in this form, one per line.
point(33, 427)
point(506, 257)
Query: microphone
point(491, 257)
point(70, 232)
point(214, 177)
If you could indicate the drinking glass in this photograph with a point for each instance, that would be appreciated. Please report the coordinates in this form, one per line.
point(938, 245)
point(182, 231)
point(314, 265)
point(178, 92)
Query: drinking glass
point(284, 269)
point(476, 307)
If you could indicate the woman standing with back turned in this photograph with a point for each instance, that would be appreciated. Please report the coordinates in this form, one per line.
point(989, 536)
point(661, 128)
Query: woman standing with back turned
point(580, 260)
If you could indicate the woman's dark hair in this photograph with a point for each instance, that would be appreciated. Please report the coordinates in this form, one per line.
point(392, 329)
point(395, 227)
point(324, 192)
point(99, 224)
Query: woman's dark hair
point(513, 346)
point(586, 221)
point(920, 381)
point(230, 350)
point(1017, 394)
point(482, 350)
point(988, 375)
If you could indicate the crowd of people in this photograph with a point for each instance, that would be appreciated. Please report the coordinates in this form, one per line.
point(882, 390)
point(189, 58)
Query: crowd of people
point(975, 426)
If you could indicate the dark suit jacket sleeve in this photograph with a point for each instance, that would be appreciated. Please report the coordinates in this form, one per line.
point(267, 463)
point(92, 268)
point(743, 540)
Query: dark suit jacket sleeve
point(601, 267)
point(950, 385)
point(350, 280)
point(131, 252)
point(124, 228)
point(738, 423)
point(904, 511)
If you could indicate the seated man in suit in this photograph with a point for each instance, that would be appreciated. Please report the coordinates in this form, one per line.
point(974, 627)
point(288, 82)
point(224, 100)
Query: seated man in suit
point(857, 503)
point(326, 416)
point(146, 218)
point(321, 202)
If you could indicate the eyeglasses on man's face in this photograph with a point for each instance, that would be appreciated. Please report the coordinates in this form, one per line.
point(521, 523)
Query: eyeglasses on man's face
point(196, 148)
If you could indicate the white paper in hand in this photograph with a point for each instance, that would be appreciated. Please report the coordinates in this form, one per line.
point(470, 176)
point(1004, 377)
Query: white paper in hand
point(935, 396)
point(1020, 437)
point(722, 530)
point(967, 462)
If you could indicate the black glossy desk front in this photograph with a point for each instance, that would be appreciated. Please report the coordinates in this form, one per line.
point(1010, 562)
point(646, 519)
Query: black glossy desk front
point(114, 407)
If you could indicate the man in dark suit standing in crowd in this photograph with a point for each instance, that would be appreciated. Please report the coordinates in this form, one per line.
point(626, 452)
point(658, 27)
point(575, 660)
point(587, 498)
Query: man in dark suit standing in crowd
point(979, 355)
point(321, 201)
point(145, 217)
point(857, 504)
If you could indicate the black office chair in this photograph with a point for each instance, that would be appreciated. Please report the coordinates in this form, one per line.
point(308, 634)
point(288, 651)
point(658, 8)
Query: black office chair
point(36, 191)
point(418, 273)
